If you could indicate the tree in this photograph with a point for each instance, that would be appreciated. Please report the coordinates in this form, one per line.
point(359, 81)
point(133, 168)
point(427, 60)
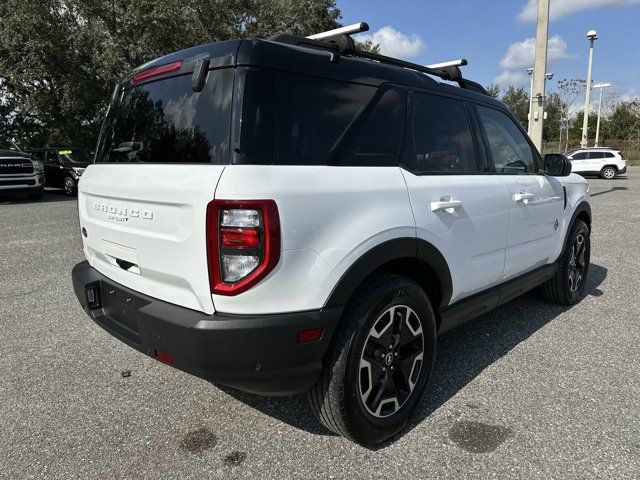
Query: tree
point(554, 110)
point(493, 90)
point(517, 100)
point(623, 123)
point(60, 59)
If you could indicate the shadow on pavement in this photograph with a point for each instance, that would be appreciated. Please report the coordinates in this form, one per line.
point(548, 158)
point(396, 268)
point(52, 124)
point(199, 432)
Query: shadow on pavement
point(613, 189)
point(50, 196)
point(463, 354)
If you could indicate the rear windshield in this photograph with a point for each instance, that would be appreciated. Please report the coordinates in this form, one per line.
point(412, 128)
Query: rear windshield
point(167, 122)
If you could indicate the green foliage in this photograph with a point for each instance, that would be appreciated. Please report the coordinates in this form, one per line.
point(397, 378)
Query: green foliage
point(494, 91)
point(517, 100)
point(60, 59)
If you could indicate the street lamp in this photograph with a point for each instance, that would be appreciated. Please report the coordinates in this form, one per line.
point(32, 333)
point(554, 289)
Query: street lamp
point(601, 86)
point(592, 35)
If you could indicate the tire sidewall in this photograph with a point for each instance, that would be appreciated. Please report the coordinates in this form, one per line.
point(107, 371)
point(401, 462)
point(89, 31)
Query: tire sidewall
point(400, 292)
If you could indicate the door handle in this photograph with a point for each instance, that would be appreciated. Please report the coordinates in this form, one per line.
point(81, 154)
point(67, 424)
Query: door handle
point(445, 203)
point(523, 197)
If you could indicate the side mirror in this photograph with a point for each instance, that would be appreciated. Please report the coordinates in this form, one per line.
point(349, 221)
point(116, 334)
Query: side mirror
point(556, 165)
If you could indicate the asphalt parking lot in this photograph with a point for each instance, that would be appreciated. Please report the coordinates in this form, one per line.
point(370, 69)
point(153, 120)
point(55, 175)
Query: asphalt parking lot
point(530, 390)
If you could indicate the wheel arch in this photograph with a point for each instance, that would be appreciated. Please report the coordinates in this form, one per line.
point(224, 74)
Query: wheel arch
point(582, 212)
point(414, 258)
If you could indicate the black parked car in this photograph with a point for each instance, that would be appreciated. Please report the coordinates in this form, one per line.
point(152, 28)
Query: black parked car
point(63, 166)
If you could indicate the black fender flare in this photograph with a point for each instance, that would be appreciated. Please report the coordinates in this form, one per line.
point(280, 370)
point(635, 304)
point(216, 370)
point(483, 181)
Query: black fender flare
point(583, 207)
point(396, 249)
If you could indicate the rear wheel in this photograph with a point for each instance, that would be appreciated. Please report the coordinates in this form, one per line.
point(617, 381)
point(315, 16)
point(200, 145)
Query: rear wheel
point(379, 363)
point(568, 286)
point(608, 173)
point(69, 186)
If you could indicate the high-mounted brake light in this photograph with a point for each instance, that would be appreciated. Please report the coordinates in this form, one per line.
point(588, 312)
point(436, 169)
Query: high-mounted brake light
point(243, 243)
point(156, 71)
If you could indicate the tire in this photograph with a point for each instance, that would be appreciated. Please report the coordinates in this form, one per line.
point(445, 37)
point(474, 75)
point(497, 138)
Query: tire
point(347, 398)
point(609, 173)
point(565, 288)
point(36, 195)
point(69, 186)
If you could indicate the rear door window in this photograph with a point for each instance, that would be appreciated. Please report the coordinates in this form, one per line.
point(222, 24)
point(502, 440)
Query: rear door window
point(579, 156)
point(596, 155)
point(165, 121)
point(442, 138)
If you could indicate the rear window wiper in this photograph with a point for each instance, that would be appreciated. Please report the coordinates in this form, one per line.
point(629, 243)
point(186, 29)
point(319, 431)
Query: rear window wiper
point(125, 147)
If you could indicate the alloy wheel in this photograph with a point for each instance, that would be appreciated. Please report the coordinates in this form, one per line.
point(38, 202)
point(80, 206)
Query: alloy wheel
point(609, 173)
point(391, 361)
point(577, 263)
point(68, 186)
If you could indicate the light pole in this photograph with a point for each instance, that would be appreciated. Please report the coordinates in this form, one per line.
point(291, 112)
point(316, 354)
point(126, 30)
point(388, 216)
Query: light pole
point(530, 73)
point(601, 86)
point(592, 36)
point(540, 65)
point(548, 76)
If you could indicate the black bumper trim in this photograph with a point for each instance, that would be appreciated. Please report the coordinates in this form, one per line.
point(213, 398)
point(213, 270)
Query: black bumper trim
point(254, 353)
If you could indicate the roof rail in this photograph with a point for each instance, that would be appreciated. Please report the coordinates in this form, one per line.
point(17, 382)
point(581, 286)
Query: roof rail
point(339, 42)
point(336, 32)
point(453, 63)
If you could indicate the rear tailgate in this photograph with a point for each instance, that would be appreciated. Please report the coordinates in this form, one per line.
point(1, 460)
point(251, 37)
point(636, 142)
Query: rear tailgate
point(145, 228)
point(162, 149)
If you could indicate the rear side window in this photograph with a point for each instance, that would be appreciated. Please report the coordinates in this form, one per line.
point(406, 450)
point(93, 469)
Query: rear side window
point(167, 122)
point(579, 156)
point(441, 136)
point(608, 155)
point(291, 119)
point(508, 147)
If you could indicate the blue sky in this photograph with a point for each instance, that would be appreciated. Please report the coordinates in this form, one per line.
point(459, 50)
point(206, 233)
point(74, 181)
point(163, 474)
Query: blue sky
point(493, 35)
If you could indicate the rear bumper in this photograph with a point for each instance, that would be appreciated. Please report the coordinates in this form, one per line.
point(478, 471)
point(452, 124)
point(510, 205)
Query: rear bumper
point(254, 353)
point(622, 171)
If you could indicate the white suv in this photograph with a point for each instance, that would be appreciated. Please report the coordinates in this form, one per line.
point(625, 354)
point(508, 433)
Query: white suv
point(606, 162)
point(287, 215)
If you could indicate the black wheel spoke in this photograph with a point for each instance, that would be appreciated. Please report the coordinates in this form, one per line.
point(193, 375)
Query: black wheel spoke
point(372, 350)
point(378, 392)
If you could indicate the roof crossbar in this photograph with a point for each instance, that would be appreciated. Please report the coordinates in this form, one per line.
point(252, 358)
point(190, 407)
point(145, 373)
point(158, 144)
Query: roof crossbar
point(336, 32)
point(339, 42)
point(453, 63)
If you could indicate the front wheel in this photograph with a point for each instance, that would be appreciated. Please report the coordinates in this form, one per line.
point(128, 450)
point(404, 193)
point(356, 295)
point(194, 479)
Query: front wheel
point(608, 173)
point(69, 186)
point(568, 286)
point(380, 361)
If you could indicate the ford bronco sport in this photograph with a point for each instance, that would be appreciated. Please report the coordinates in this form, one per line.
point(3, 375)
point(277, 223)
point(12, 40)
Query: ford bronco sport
point(294, 215)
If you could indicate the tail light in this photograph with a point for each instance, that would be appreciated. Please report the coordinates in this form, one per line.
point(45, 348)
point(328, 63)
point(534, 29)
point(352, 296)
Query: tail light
point(243, 243)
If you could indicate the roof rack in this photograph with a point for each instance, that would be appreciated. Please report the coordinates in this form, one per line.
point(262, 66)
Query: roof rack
point(339, 42)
